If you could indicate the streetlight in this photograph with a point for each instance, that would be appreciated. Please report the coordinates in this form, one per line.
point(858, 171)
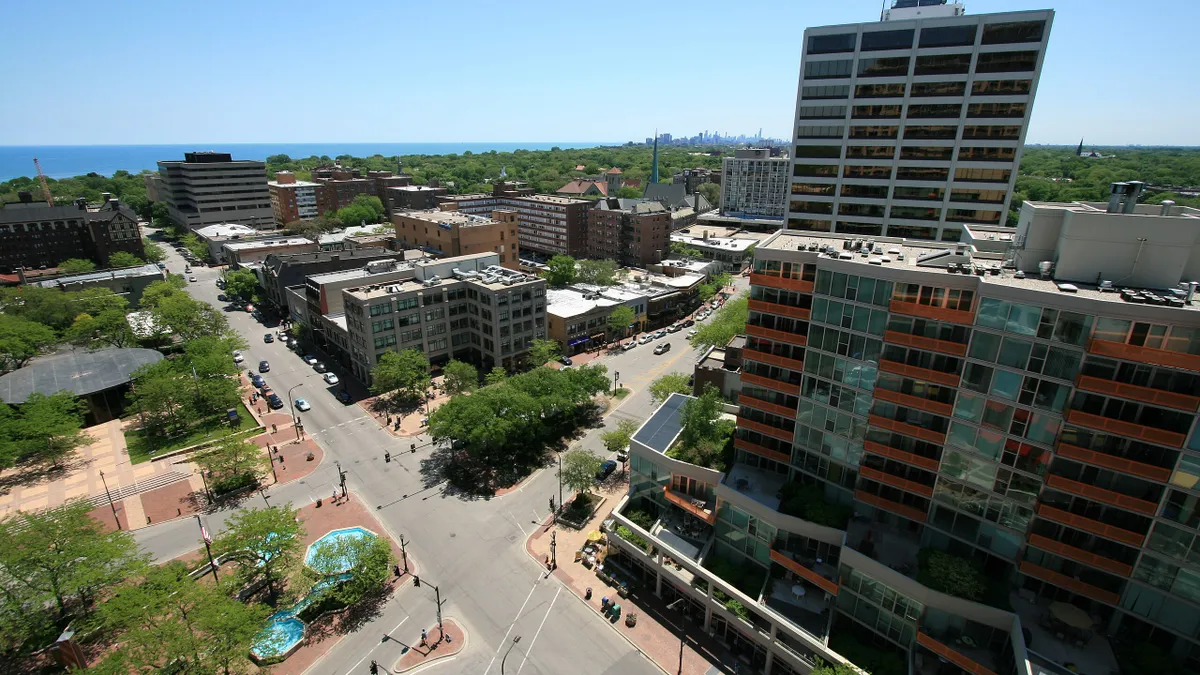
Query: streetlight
point(292, 405)
point(679, 627)
point(510, 648)
point(110, 500)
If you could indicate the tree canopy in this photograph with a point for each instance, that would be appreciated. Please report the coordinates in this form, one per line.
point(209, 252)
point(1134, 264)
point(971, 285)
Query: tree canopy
point(154, 252)
point(76, 266)
point(124, 259)
point(364, 209)
point(619, 321)
point(460, 377)
point(240, 283)
point(264, 544)
point(579, 469)
point(22, 339)
point(670, 383)
point(617, 439)
point(43, 429)
point(543, 351)
point(560, 271)
point(598, 272)
point(728, 321)
point(705, 438)
point(405, 372)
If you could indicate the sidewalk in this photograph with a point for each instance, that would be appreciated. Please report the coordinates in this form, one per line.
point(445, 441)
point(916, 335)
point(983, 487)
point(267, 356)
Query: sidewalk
point(654, 634)
point(410, 424)
point(435, 650)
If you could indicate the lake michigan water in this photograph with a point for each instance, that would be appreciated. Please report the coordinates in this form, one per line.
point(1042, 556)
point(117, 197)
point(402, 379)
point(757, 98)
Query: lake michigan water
point(64, 161)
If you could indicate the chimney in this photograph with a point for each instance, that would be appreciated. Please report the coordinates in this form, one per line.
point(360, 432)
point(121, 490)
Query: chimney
point(106, 197)
point(1166, 207)
point(1116, 196)
point(25, 197)
point(1131, 195)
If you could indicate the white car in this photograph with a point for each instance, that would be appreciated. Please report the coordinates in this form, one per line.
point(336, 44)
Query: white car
point(310, 360)
point(192, 278)
point(692, 332)
point(238, 358)
point(302, 405)
point(648, 337)
point(330, 378)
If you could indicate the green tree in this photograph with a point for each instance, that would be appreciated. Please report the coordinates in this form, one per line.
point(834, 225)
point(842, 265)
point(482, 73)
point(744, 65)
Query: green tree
point(670, 383)
point(682, 250)
point(76, 266)
point(405, 372)
point(617, 439)
point(124, 259)
point(706, 292)
point(628, 193)
point(187, 318)
point(154, 252)
point(619, 321)
point(232, 463)
point(109, 329)
point(460, 377)
point(44, 429)
point(193, 244)
point(21, 340)
point(495, 376)
point(160, 215)
point(705, 438)
point(164, 397)
point(560, 271)
point(952, 574)
point(728, 322)
point(159, 290)
point(241, 283)
point(543, 351)
point(711, 192)
point(579, 469)
point(597, 272)
point(364, 209)
point(264, 545)
point(371, 560)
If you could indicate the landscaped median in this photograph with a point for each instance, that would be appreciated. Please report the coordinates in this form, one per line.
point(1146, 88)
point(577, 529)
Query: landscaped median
point(144, 448)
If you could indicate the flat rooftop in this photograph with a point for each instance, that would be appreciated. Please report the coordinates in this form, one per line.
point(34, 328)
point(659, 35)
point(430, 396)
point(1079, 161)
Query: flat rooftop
point(146, 270)
point(549, 199)
point(722, 243)
point(448, 218)
point(356, 273)
point(567, 302)
point(660, 431)
point(266, 243)
point(295, 183)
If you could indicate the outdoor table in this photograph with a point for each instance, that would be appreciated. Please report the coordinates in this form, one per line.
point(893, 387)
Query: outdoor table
point(968, 640)
point(798, 591)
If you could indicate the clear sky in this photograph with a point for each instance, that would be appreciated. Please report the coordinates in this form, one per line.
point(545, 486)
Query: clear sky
point(525, 70)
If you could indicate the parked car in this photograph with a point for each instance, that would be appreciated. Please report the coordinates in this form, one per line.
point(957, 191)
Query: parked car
point(162, 266)
point(264, 367)
point(221, 297)
point(674, 328)
point(192, 279)
point(268, 338)
point(302, 405)
point(319, 367)
point(648, 337)
point(565, 360)
point(274, 402)
point(284, 338)
point(606, 470)
point(310, 359)
point(692, 332)
point(629, 345)
point(344, 397)
point(237, 357)
point(663, 348)
point(689, 323)
point(331, 378)
point(258, 381)
point(660, 334)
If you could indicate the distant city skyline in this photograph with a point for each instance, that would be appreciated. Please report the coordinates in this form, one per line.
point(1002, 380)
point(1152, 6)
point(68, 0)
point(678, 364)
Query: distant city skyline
point(236, 72)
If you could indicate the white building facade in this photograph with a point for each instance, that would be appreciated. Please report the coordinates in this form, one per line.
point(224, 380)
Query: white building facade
point(754, 184)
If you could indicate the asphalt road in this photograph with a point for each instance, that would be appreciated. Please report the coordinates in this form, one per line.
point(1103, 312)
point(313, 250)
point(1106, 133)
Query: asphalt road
point(473, 549)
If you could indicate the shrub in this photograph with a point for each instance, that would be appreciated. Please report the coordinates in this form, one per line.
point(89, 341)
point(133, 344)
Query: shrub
point(871, 659)
point(952, 574)
point(746, 577)
point(640, 518)
point(737, 608)
point(628, 535)
point(233, 483)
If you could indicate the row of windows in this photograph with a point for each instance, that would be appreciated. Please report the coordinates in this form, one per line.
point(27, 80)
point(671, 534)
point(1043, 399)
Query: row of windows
point(1013, 32)
point(918, 89)
point(942, 64)
point(888, 152)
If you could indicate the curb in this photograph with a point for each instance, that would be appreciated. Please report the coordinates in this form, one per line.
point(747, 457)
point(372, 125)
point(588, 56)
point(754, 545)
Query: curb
point(466, 641)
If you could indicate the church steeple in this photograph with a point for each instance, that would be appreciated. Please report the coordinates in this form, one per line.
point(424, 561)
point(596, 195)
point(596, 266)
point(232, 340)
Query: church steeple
point(654, 161)
point(1079, 150)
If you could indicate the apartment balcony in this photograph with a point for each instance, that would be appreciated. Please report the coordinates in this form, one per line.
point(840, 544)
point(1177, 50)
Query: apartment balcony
point(926, 343)
point(1158, 357)
point(694, 506)
point(776, 385)
point(900, 455)
point(804, 604)
point(910, 430)
point(1089, 525)
point(776, 335)
point(773, 360)
point(888, 545)
point(1129, 466)
point(1166, 399)
point(965, 657)
point(890, 506)
point(919, 373)
point(958, 316)
point(766, 429)
point(1080, 555)
point(896, 481)
point(909, 401)
point(826, 578)
point(1099, 494)
point(1128, 429)
point(773, 408)
point(1054, 645)
point(769, 281)
point(760, 485)
point(1069, 583)
point(782, 310)
point(761, 451)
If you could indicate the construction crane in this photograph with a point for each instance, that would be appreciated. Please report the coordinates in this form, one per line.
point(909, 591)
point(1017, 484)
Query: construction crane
point(42, 180)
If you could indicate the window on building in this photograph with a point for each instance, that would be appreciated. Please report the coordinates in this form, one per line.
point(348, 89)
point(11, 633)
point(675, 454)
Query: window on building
point(1013, 32)
point(948, 36)
point(887, 39)
point(831, 44)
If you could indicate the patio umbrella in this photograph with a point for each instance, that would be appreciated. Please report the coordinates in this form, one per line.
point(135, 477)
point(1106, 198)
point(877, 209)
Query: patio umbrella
point(1071, 615)
point(595, 535)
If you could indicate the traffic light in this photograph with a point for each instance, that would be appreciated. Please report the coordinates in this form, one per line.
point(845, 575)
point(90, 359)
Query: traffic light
point(417, 581)
point(374, 667)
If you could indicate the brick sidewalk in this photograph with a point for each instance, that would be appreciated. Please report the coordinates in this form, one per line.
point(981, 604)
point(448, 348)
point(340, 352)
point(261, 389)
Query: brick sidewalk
point(410, 424)
point(417, 656)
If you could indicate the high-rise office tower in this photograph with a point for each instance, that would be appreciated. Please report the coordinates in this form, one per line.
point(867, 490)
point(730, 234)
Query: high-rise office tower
point(912, 126)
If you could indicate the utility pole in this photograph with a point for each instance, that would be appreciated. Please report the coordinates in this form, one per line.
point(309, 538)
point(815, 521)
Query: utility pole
point(341, 478)
point(403, 553)
point(207, 541)
point(110, 501)
point(616, 374)
point(438, 597)
point(515, 640)
point(679, 627)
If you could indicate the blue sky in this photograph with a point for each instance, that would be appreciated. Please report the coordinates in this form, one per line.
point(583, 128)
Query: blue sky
point(401, 71)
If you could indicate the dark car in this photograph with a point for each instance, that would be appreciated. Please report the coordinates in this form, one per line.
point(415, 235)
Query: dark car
point(565, 360)
point(258, 381)
point(221, 297)
point(264, 367)
point(274, 401)
point(344, 396)
point(268, 338)
point(689, 323)
point(606, 470)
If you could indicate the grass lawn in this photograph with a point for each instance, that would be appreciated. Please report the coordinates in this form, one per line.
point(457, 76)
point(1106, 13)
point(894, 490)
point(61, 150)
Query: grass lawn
point(144, 449)
point(620, 393)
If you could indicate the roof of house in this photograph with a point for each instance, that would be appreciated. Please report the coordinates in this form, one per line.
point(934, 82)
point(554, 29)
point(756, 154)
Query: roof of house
point(579, 187)
point(675, 196)
point(613, 170)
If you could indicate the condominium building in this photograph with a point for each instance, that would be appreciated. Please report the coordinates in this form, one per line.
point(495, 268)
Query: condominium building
point(468, 308)
point(913, 126)
point(412, 197)
point(754, 184)
point(207, 188)
point(548, 224)
point(633, 232)
point(292, 199)
point(1027, 412)
point(283, 271)
point(452, 234)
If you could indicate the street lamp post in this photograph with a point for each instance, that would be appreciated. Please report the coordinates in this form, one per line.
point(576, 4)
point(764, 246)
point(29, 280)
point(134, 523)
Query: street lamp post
point(679, 627)
point(560, 501)
point(207, 541)
point(515, 640)
point(616, 374)
point(438, 598)
point(111, 505)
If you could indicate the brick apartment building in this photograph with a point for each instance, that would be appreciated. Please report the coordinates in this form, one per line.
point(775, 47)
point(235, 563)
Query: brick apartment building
point(34, 234)
point(452, 234)
point(549, 224)
point(633, 232)
point(293, 199)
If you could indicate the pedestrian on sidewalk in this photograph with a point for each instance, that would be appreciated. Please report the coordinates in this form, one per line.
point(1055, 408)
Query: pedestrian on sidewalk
point(424, 638)
point(273, 429)
point(334, 498)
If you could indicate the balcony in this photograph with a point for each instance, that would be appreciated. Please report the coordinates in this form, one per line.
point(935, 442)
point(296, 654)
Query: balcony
point(782, 310)
point(771, 359)
point(785, 387)
point(1120, 464)
point(696, 507)
point(895, 481)
point(1128, 429)
point(1080, 555)
point(926, 343)
point(891, 506)
point(936, 313)
point(766, 429)
point(919, 373)
point(761, 451)
point(760, 485)
point(804, 604)
point(896, 548)
point(776, 335)
point(773, 408)
point(1167, 399)
point(769, 281)
point(1069, 583)
point(1089, 651)
point(826, 579)
point(910, 430)
point(1089, 525)
point(1158, 357)
point(900, 455)
point(1102, 495)
point(909, 401)
point(955, 656)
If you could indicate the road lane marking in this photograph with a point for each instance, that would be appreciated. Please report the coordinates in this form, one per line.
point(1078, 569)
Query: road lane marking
point(364, 658)
point(504, 640)
point(539, 630)
point(518, 524)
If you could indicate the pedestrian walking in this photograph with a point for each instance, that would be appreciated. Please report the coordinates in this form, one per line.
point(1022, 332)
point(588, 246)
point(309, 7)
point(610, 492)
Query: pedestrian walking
point(424, 637)
point(334, 498)
point(273, 429)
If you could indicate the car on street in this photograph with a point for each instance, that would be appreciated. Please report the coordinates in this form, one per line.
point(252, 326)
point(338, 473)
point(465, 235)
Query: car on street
point(284, 338)
point(663, 348)
point(310, 359)
point(268, 338)
point(565, 360)
point(222, 298)
point(193, 278)
point(302, 405)
point(692, 332)
point(162, 266)
point(344, 397)
point(689, 323)
point(257, 380)
point(648, 337)
point(274, 401)
point(629, 345)
point(660, 334)
point(331, 378)
point(237, 357)
point(320, 367)
point(606, 470)
point(264, 367)
point(674, 328)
